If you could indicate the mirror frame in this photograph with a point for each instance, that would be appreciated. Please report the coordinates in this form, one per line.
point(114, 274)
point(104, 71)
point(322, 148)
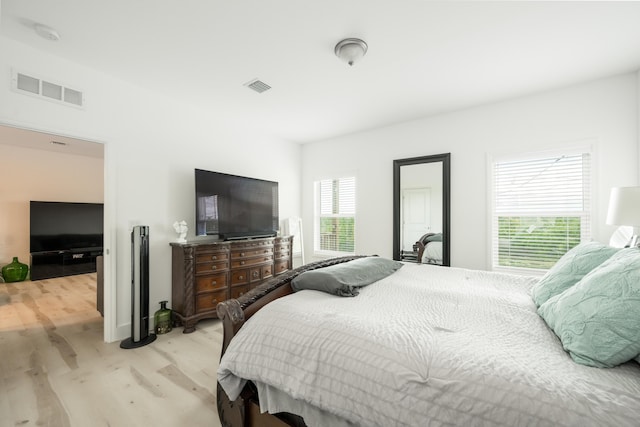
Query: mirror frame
point(446, 202)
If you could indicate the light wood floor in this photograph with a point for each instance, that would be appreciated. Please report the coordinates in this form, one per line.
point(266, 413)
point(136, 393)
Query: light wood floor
point(55, 369)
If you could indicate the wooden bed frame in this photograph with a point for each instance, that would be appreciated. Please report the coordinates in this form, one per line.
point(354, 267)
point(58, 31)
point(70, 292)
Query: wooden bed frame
point(245, 410)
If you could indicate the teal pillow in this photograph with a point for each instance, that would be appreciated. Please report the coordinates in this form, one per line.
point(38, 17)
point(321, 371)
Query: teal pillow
point(598, 319)
point(569, 269)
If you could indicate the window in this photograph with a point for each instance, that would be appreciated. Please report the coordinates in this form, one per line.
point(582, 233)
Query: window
point(540, 209)
point(335, 215)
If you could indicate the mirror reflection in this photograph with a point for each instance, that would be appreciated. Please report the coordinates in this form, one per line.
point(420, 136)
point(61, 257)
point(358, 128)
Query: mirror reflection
point(421, 209)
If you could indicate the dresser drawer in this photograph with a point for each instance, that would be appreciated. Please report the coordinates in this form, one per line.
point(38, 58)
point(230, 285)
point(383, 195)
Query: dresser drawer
point(239, 277)
point(281, 255)
point(282, 247)
point(209, 301)
point(281, 266)
point(249, 244)
point(251, 252)
point(251, 261)
point(211, 282)
point(208, 267)
point(212, 256)
point(267, 271)
point(236, 291)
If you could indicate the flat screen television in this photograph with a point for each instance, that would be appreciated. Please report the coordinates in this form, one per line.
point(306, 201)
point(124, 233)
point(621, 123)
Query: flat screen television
point(59, 226)
point(235, 207)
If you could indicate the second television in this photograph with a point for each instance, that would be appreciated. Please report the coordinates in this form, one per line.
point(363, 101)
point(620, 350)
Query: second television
point(235, 207)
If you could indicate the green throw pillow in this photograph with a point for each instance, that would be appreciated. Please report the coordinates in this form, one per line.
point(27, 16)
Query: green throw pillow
point(569, 269)
point(598, 319)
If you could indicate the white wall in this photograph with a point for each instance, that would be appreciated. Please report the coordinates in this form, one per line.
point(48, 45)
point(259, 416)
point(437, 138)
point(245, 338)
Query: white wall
point(152, 146)
point(603, 112)
point(27, 174)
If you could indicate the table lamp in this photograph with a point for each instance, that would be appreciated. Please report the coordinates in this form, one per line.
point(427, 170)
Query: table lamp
point(624, 209)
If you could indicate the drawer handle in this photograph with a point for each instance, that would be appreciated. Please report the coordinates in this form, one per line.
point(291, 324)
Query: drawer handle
point(214, 301)
point(240, 277)
point(241, 253)
point(267, 271)
point(241, 262)
point(214, 282)
point(213, 267)
point(214, 257)
point(255, 274)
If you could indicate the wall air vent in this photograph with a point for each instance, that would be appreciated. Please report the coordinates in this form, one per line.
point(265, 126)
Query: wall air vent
point(257, 85)
point(43, 89)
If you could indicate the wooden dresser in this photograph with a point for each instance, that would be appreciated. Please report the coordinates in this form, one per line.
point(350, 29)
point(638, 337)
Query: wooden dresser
point(206, 273)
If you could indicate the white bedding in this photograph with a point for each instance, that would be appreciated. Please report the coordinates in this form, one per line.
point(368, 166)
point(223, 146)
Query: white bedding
point(432, 253)
point(428, 346)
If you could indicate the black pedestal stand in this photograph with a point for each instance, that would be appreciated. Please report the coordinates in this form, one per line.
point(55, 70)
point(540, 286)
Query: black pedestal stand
point(139, 290)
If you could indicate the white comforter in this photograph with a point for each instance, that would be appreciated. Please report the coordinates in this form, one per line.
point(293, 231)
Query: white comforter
point(428, 346)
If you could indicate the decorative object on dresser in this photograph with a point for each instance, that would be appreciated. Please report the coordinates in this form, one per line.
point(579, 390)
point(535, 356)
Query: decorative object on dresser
point(206, 273)
point(181, 228)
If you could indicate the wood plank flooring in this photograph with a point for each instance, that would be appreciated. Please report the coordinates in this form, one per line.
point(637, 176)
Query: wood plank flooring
point(55, 369)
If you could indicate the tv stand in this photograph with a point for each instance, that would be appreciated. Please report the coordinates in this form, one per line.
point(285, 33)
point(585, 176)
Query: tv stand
point(46, 265)
point(206, 273)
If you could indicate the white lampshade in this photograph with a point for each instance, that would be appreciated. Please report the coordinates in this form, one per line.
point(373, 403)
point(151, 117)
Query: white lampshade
point(624, 206)
point(351, 50)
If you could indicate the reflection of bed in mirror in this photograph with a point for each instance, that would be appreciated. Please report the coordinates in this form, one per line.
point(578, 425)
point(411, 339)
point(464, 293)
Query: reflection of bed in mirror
point(428, 249)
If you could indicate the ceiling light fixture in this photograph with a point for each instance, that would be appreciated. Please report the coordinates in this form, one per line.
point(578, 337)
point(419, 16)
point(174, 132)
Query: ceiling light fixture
point(350, 50)
point(46, 32)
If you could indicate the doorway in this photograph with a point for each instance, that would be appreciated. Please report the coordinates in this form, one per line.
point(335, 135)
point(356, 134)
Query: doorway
point(416, 215)
point(47, 166)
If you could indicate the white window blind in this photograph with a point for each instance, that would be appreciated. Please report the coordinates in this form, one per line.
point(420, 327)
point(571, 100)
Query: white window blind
point(541, 209)
point(335, 215)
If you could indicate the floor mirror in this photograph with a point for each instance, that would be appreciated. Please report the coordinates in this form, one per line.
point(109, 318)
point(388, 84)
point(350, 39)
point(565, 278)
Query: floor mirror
point(421, 209)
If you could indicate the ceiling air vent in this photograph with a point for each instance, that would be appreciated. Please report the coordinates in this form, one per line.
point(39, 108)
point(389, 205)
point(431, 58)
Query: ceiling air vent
point(37, 87)
point(257, 85)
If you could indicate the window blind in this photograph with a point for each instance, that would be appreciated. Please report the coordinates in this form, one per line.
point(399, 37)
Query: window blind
point(335, 217)
point(541, 209)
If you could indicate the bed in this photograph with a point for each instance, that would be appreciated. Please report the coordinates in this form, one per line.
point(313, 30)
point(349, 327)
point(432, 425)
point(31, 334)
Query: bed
point(426, 345)
point(429, 249)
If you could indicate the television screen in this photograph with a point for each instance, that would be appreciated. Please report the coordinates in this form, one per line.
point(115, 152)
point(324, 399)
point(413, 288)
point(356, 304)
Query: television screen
point(57, 226)
point(233, 206)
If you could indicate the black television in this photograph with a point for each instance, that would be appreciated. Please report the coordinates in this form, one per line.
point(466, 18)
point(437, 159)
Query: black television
point(235, 207)
point(60, 226)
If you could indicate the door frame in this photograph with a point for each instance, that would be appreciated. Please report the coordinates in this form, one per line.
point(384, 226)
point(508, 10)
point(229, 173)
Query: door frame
point(109, 245)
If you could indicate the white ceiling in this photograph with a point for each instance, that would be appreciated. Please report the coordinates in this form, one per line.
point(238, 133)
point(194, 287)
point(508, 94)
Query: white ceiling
point(24, 138)
point(424, 57)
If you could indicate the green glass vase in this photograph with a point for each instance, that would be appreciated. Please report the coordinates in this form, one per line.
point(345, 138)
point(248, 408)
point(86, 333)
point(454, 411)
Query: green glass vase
point(15, 272)
point(162, 319)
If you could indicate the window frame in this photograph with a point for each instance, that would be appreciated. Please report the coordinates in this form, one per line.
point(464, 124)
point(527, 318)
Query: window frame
point(317, 215)
point(587, 212)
